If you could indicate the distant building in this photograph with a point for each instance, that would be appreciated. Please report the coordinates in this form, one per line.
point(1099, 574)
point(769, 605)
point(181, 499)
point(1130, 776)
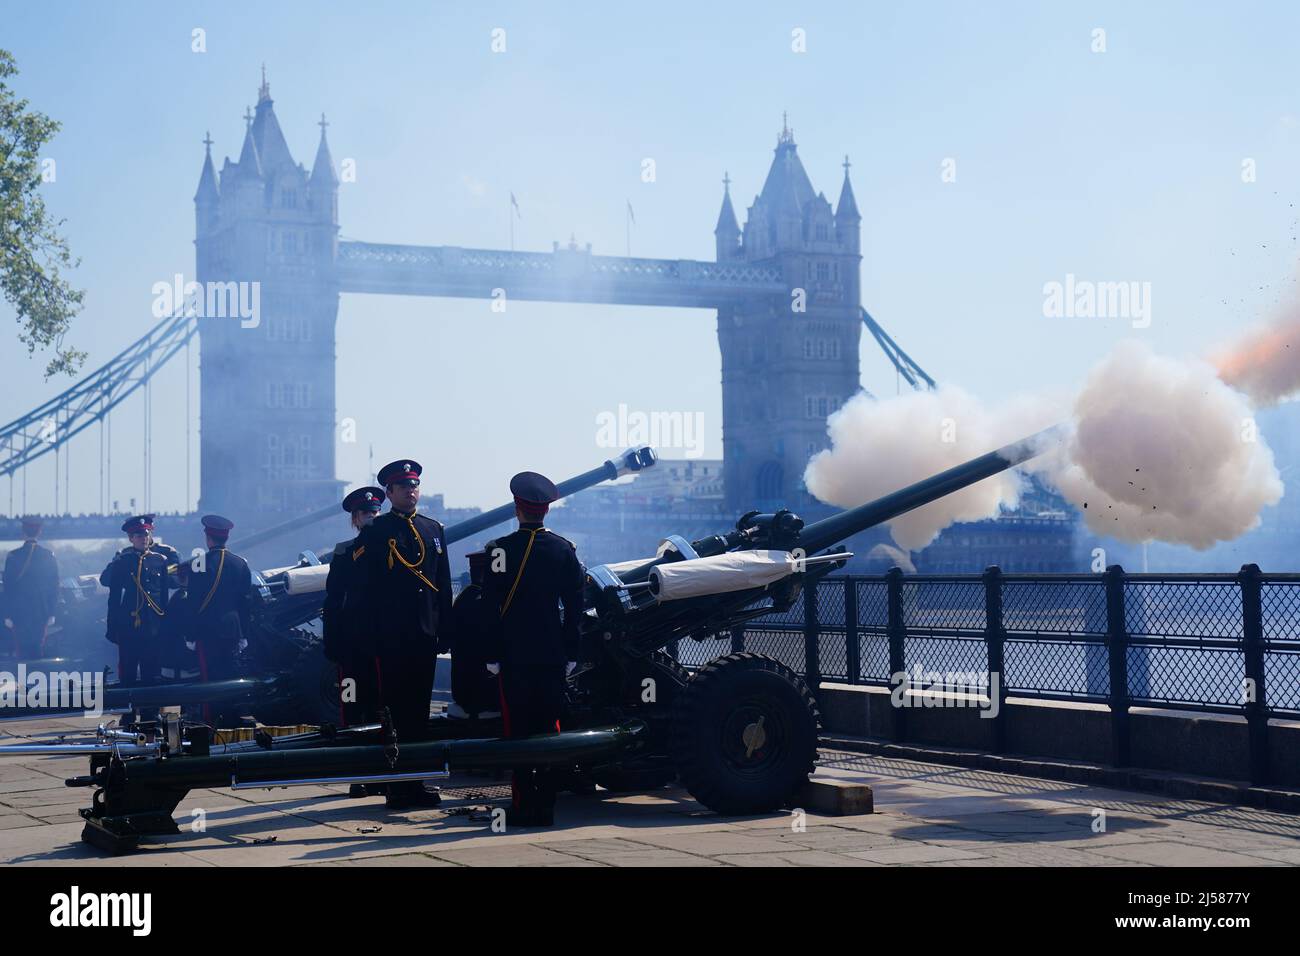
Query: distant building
point(674, 480)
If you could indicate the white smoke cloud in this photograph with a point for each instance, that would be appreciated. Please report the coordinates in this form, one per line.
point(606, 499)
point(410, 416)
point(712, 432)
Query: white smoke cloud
point(880, 446)
point(1157, 449)
point(1162, 449)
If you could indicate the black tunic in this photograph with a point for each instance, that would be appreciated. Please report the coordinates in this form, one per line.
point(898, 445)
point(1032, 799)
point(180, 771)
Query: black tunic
point(217, 600)
point(340, 615)
point(525, 628)
point(138, 583)
point(471, 685)
point(31, 585)
point(405, 581)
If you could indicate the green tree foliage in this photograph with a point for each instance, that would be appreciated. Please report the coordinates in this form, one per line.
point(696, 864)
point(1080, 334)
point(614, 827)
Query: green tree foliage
point(32, 253)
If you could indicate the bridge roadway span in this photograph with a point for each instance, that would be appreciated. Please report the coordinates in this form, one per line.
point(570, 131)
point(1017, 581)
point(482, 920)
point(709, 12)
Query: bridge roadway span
point(565, 275)
point(926, 814)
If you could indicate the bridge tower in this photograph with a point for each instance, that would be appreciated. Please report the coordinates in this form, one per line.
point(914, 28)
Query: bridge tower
point(787, 363)
point(267, 386)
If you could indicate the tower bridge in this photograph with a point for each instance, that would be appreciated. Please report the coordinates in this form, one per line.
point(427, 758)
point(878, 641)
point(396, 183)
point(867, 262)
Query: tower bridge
point(784, 287)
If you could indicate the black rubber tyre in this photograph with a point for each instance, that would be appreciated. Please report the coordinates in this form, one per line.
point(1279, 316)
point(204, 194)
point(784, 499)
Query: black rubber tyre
point(744, 734)
point(313, 697)
point(656, 771)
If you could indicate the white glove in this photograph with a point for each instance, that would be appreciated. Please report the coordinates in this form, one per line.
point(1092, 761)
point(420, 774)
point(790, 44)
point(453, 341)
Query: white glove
point(243, 643)
point(8, 623)
point(570, 667)
point(190, 645)
point(493, 669)
point(50, 622)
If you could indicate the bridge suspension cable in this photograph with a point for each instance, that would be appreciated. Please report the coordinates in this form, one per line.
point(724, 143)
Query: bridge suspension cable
point(51, 425)
point(904, 363)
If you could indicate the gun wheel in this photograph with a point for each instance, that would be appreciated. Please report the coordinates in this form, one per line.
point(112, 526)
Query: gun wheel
point(312, 691)
point(653, 771)
point(744, 735)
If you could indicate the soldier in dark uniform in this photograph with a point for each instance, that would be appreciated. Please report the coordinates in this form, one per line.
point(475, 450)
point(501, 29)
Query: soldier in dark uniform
point(405, 579)
point(219, 587)
point(531, 574)
point(138, 580)
point(345, 638)
point(31, 592)
point(474, 691)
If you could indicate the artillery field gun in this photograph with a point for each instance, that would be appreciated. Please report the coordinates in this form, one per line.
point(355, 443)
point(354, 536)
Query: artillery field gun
point(740, 733)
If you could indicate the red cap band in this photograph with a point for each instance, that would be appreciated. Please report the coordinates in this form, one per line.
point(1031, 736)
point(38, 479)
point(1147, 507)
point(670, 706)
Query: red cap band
point(531, 508)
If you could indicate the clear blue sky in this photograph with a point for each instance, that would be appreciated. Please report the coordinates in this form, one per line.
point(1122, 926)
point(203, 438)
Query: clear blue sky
point(1113, 166)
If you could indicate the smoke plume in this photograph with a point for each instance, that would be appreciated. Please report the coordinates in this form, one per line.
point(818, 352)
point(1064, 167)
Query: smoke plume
point(1162, 449)
point(1265, 363)
point(1157, 448)
point(880, 446)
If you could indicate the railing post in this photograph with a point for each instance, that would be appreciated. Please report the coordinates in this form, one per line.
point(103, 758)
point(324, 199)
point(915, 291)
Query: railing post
point(1117, 656)
point(897, 633)
point(995, 637)
point(852, 648)
point(1255, 700)
point(812, 668)
point(738, 639)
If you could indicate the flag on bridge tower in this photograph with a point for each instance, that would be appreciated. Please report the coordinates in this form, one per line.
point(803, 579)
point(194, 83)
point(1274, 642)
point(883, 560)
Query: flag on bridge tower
point(514, 212)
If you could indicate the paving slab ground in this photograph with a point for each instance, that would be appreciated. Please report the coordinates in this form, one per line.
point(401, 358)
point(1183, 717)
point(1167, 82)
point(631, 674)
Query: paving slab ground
point(926, 815)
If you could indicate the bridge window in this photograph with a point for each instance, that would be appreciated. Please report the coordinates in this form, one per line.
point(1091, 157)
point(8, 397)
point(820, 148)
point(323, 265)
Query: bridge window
point(823, 272)
point(288, 394)
point(271, 468)
point(769, 481)
point(822, 233)
point(289, 199)
point(293, 328)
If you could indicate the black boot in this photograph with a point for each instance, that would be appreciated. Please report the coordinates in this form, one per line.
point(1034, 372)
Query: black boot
point(412, 797)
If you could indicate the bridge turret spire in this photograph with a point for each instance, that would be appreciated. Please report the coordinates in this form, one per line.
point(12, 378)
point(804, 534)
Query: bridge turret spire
point(777, 218)
point(846, 210)
point(727, 231)
point(322, 170)
point(250, 164)
point(786, 136)
point(272, 150)
point(207, 191)
point(323, 187)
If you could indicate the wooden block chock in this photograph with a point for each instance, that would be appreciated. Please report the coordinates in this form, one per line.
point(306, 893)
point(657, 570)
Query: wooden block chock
point(839, 798)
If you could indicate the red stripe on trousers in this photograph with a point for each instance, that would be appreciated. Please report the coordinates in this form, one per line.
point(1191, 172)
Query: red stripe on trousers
point(203, 676)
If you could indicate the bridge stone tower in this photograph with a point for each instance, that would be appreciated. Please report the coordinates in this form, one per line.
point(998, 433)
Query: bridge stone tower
point(267, 390)
point(787, 363)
